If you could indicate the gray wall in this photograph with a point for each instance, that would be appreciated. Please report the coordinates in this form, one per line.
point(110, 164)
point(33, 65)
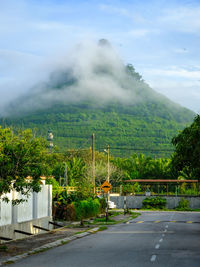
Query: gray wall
point(135, 202)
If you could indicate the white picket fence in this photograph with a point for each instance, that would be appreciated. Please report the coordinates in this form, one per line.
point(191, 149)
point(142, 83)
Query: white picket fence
point(36, 206)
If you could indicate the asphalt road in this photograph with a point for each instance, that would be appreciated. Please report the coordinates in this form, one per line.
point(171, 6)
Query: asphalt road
point(153, 239)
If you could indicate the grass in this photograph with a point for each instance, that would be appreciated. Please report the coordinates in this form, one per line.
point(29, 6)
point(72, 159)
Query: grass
point(38, 251)
point(64, 242)
point(8, 262)
point(102, 228)
point(3, 248)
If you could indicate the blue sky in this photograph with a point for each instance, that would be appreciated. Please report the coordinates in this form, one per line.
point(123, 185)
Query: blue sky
point(160, 38)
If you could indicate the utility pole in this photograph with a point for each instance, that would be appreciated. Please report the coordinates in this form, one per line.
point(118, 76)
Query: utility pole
point(93, 160)
point(108, 162)
point(66, 178)
point(108, 170)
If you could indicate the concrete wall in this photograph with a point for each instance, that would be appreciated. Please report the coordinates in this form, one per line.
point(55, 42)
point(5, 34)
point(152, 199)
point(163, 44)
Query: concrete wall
point(36, 209)
point(8, 231)
point(25, 209)
point(6, 211)
point(135, 202)
point(42, 202)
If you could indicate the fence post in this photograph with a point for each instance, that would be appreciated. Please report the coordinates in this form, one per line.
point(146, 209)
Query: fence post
point(35, 205)
point(14, 208)
point(49, 200)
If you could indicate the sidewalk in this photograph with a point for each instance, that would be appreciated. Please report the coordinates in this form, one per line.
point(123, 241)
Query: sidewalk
point(23, 247)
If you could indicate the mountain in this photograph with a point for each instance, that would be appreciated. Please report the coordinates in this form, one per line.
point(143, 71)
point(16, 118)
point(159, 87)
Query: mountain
point(96, 93)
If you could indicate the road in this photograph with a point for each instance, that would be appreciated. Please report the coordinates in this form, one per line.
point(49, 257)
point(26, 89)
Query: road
point(153, 239)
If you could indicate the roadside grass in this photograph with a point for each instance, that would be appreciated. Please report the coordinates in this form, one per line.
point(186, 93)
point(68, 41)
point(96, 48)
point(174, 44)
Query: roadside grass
point(111, 219)
point(102, 228)
point(3, 248)
point(38, 251)
point(8, 262)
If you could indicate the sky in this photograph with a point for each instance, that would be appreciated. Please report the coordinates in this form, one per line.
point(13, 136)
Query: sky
point(160, 38)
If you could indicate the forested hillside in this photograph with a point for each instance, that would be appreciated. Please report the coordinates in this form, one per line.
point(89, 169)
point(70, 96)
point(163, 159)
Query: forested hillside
point(110, 100)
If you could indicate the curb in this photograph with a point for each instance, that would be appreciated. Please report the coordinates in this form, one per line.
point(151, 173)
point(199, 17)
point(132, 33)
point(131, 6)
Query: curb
point(48, 246)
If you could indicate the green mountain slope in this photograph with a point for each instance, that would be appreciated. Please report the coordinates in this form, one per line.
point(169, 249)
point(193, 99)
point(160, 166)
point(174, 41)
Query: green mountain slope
point(143, 128)
point(110, 100)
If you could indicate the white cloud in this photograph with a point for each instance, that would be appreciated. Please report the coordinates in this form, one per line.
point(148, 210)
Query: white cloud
point(174, 72)
point(113, 9)
point(183, 19)
point(140, 33)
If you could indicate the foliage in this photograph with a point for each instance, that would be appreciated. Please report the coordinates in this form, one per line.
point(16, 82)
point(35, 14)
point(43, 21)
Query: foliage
point(21, 156)
point(147, 124)
point(139, 166)
point(102, 202)
point(87, 208)
point(154, 202)
point(56, 189)
point(186, 157)
point(183, 204)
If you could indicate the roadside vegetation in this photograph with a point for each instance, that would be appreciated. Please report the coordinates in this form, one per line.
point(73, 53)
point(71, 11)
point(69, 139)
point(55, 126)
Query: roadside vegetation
point(24, 158)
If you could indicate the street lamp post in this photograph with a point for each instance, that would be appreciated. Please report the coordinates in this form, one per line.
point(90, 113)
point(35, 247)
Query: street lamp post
point(108, 163)
point(93, 161)
point(107, 151)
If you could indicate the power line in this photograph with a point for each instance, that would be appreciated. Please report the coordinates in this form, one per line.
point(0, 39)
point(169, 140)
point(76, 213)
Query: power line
point(141, 149)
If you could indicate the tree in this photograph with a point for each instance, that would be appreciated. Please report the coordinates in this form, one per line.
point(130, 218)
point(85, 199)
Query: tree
point(21, 156)
point(186, 157)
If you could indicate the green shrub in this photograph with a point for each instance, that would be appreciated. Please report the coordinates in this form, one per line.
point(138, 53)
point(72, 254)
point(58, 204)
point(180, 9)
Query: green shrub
point(56, 189)
point(183, 204)
point(154, 202)
point(102, 202)
point(87, 208)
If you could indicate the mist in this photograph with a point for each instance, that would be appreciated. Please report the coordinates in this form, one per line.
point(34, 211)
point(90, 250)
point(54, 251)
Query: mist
point(88, 71)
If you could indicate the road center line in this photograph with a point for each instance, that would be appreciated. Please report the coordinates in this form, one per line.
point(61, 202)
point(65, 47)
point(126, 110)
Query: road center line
point(153, 257)
point(137, 232)
point(161, 240)
point(157, 246)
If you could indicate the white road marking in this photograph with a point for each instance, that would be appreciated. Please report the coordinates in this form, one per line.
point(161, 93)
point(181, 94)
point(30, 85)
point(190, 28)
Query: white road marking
point(163, 235)
point(157, 246)
point(153, 257)
point(165, 230)
point(161, 240)
point(166, 226)
point(137, 232)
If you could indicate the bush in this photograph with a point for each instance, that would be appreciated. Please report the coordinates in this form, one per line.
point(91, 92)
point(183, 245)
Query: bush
point(183, 204)
point(102, 202)
point(154, 202)
point(56, 189)
point(87, 208)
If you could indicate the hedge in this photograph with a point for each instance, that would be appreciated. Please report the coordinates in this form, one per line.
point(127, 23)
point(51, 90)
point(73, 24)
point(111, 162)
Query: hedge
point(154, 202)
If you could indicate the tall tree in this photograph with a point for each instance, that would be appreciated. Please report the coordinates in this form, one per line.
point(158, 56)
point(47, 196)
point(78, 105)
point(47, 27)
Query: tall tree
point(21, 156)
point(187, 150)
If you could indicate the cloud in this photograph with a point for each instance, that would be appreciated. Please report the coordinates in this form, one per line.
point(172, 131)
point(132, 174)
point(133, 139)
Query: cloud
point(182, 18)
point(174, 72)
point(140, 33)
point(114, 10)
point(181, 51)
point(89, 71)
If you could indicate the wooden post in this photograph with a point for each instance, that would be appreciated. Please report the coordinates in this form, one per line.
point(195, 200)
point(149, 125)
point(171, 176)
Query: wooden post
point(93, 161)
point(108, 162)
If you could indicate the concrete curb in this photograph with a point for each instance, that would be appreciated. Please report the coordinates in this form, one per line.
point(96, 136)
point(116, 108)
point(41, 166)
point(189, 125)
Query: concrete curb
point(49, 245)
